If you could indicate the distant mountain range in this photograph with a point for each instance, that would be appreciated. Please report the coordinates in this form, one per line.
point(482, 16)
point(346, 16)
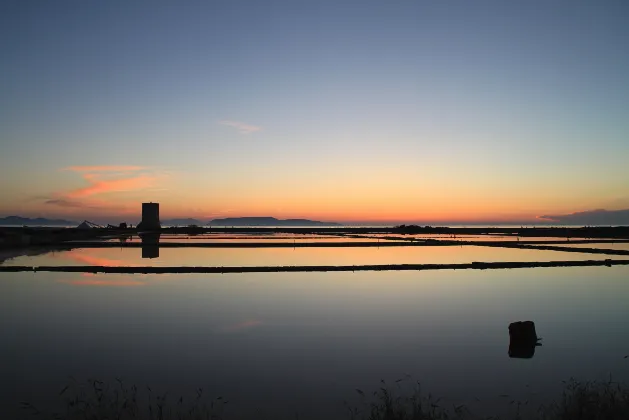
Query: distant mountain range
point(267, 221)
point(39, 221)
point(230, 221)
point(246, 221)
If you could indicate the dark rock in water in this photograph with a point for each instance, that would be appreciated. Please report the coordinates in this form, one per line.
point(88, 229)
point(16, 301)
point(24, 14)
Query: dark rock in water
point(522, 339)
point(522, 331)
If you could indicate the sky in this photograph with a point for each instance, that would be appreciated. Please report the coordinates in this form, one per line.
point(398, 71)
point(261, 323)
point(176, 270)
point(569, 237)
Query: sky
point(450, 111)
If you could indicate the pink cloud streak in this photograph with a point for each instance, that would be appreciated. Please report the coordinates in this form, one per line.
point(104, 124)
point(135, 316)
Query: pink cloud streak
point(113, 185)
point(101, 180)
point(242, 127)
point(105, 168)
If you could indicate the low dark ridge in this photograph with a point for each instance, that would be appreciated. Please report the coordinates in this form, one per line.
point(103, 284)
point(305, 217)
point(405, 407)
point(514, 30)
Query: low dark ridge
point(315, 268)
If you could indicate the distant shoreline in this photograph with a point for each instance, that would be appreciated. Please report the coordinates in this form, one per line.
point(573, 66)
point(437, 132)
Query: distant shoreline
point(24, 237)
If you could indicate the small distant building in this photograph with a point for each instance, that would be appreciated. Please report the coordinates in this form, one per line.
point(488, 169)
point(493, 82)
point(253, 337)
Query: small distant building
point(150, 217)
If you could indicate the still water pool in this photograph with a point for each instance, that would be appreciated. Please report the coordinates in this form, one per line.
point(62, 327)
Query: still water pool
point(224, 257)
point(277, 344)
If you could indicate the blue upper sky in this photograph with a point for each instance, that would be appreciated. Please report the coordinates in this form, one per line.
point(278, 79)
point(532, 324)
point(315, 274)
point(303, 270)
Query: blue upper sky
point(527, 96)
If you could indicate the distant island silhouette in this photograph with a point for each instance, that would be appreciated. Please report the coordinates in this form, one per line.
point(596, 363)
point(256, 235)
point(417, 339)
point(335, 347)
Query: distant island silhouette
point(230, 221)
point(267, 221)
point(39, 221)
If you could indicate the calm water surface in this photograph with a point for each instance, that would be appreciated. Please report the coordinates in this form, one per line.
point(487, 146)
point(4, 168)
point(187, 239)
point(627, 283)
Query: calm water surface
point(473, 238)
point(249, 239)
point(276, 344)
point(223, 257)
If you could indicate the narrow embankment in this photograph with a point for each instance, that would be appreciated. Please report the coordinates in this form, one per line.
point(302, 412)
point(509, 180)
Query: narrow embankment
point(567, 249)
point(314, 268)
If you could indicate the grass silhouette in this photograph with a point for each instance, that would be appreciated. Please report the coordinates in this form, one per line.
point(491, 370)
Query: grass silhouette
point(96, 400)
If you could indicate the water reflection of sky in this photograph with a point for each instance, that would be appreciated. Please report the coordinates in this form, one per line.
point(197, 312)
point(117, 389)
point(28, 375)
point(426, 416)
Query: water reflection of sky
point(247, 239)
point(472, 238)
point(224, 257)
point(295, 237)
point(285, 342)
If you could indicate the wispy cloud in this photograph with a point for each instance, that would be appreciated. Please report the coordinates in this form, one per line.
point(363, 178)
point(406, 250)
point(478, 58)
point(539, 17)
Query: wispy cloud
point(62, 202)
point(104, 179)
point(105, 168)
point(101, 186)
point(110, 178)
point(242, 127)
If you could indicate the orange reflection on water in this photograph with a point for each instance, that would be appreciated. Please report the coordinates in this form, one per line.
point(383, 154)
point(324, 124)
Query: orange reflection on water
point(351, 256)
point(85, 256)
point(96, 279)
point(102, 281)
point(242, 325)
point(236, 257)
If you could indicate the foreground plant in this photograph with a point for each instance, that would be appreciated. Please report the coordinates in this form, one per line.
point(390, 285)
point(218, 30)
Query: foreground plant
point(579, 401)
point(97, 400)
point(590, 401)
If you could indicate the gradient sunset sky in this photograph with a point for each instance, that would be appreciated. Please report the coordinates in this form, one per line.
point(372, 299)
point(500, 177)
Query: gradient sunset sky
point(366, 111)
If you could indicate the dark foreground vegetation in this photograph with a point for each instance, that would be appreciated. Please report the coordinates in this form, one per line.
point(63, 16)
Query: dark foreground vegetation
point(96, 400)
point(578, 401)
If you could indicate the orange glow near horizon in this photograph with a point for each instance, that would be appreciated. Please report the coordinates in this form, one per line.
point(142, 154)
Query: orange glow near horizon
point(362, 210)
point(115, 193)
point(403, 113)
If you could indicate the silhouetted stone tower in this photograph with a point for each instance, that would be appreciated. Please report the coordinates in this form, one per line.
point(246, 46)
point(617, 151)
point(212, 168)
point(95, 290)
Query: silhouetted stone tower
point(150, 217)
